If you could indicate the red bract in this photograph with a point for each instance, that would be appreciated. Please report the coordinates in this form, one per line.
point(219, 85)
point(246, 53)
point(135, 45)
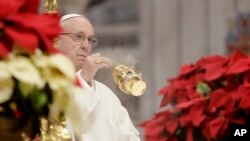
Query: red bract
point(172, 125)
point(240, 66)
point(3, 50)
point(21, 25)
point(188, 69)
point(214, 67)
point(9, 7)
point(206, 98)
point(215, 128)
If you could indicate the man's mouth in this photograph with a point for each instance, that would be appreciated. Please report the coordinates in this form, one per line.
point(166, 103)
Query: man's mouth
point(81, 57)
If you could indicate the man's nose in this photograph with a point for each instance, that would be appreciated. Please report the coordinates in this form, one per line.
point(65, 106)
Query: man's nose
point(85, 43)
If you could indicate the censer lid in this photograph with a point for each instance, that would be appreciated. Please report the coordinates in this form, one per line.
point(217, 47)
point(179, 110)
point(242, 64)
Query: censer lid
point(138, 88)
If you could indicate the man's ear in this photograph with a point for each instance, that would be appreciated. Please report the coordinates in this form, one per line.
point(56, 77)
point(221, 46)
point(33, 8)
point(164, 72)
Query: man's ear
point(56, 42)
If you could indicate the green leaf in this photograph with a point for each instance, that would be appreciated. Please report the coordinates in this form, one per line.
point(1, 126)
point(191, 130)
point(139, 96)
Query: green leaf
point(25, 88)
point(38, 100)
point(178, 132)
point(203, 88)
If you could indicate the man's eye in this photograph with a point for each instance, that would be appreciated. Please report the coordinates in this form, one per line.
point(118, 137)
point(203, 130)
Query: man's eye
point(90, 39)
point(79, 36)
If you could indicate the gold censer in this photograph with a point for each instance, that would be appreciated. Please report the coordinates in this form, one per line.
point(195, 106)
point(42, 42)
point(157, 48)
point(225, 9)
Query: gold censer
point(51, 130)
point(128, 79)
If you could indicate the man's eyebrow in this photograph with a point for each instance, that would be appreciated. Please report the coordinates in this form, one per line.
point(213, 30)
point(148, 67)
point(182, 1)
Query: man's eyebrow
point(79, 32)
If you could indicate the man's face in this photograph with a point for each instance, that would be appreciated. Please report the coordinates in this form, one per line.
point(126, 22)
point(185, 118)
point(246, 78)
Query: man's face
point(76, 40)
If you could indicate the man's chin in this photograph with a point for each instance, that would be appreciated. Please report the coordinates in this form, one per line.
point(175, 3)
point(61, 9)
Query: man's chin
point(79, 64)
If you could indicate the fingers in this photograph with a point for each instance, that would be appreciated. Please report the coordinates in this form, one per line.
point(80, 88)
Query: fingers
point(96, 54)
point(107, 62)
point(93, 64)
point(101, 60)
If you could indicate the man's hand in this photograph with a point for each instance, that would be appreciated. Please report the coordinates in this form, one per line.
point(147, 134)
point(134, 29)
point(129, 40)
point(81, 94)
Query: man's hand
point(94, 63)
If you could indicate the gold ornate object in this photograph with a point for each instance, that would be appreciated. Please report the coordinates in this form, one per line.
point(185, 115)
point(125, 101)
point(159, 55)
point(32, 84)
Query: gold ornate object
point(51, 130)
point(129, 80)
point(54, 130)
point(51, 7)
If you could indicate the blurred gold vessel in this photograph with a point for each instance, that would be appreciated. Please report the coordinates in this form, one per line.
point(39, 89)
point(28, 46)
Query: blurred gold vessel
point(50, 7)
point(54, 130)
point(51, 130)
point(128, 79)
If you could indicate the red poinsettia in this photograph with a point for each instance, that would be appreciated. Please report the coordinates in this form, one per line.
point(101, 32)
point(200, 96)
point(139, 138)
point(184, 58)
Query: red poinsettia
point(204, 99)
point(20, 25)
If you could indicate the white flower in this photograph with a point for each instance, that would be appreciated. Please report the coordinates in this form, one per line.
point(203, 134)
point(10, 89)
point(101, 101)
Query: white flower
point(56, 69)
point(60, 102)
point(61, 72)
point(4, 73)
point(63, 64)
point(23, 70)
point(40, 60)
point(58, 81)
point(25, 88)
point(6, 83)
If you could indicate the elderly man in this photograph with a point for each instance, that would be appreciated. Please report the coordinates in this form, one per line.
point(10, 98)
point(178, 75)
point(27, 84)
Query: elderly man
point(103, 116)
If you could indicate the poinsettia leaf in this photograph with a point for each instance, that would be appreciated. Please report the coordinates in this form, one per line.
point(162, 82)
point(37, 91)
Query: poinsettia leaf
point(238, 93)
point(189, 131)
point(43, 28)
point(10, 6)
point(154, 131)
point(219, 98)
point(213, 62)
point(240, 66)
point(30, 6)
point(187, 104)
point(245, 102)
point(215, 126)
point(25, 39)
point(171, 138)
point(237, 55)
point(181, 96)
point(3, 50)
point(215, 73)
point(197, 113)
point(38, 99)
point(172, 125)
point(203, 88)
point(185, 119)
point(247, 80)
point(164, 101)
point(164, 90)
point(188, 69)
point(240, 121)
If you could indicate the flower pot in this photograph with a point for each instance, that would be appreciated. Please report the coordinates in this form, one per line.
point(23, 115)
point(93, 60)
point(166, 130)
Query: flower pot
point(11, 129)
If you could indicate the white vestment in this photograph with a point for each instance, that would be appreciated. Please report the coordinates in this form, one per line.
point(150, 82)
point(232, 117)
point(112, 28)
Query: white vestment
point(103, 118)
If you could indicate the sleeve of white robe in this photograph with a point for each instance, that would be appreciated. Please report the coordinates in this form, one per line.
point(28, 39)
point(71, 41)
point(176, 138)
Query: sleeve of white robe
point(117, 118)
point(105, 119)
